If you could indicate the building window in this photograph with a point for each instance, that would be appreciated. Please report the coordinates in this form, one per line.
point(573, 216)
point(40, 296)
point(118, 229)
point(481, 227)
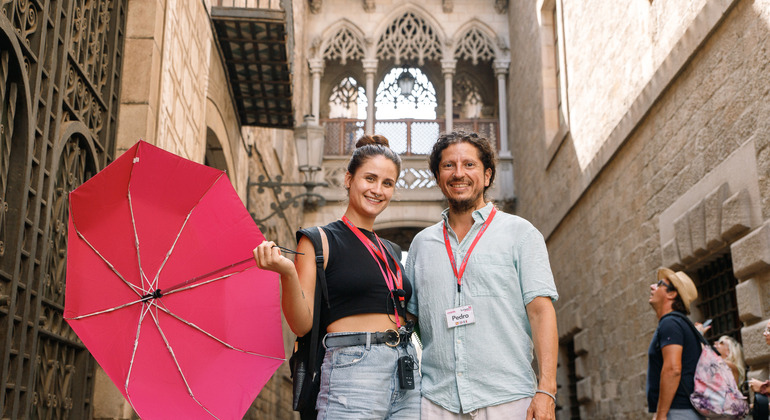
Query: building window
point(567, 406)
point(555, 104)
point(716, 290)
point(348, 100)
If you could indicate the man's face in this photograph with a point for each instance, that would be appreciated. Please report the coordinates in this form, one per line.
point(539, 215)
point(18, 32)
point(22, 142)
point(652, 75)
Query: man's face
point(462, 178)
point(659, 293)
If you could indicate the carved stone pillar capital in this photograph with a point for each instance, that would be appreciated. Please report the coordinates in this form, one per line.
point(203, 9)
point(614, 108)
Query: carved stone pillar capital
point(448, 67)
point(501, 67)
point(370, 65)
point(316, 65)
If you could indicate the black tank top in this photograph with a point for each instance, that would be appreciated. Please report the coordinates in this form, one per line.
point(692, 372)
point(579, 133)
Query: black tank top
point(354, 279)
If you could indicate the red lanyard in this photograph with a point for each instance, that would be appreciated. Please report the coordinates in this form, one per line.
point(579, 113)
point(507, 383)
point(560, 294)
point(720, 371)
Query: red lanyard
point(459, 275)
point(393, 281)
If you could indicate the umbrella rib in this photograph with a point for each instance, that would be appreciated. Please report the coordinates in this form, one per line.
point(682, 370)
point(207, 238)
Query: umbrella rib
point(133, 287)
point(181, 229)
point(213, 337)
point(176, 362)
point(142, 276)
point(104, 311)
point(133, 353)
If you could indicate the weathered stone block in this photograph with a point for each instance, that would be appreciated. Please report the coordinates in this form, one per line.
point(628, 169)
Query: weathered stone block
point(736, 215)
point(671, 255)
point(683, 240)
point(580, 368)
point(696, 218)
point(584, 391)
point(751, 253)
point(713, 212)
point(581, 342)
point(755, 349)
point(748, 295)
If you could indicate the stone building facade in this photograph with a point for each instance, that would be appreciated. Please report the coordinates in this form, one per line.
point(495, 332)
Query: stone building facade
point(633, 137)
point(658, 156)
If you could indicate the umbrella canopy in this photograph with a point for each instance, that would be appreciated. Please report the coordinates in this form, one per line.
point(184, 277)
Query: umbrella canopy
point(162, 289)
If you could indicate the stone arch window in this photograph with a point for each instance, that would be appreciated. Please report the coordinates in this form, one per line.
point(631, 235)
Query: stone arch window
point(475, 45)
point(348, 99)
point(343, 45)
point(555, 105)
point(215, 155)
point(390, 103)
point(467, 100)
point(409, 38)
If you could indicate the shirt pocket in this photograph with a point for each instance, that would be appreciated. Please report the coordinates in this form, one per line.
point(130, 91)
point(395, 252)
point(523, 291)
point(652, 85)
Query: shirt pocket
point(490, 275)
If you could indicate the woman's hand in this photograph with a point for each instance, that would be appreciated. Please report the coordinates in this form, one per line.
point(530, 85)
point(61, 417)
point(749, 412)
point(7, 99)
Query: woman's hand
point(759, 386)
point(269, 257)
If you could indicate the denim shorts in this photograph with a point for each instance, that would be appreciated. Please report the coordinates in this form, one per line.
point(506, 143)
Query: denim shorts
point(683, 414)
point(361, 382)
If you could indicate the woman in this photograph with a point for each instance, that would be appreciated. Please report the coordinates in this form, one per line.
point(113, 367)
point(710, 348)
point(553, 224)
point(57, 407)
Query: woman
point(367, 293)
point(731, 352)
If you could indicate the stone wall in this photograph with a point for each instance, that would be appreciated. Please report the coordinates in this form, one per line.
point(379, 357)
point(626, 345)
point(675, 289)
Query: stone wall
point(677, 176)
point(177, 97)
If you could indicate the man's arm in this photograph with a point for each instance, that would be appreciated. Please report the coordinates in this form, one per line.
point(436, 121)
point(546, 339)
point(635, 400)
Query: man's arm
point(542, 318)
point(670, 375)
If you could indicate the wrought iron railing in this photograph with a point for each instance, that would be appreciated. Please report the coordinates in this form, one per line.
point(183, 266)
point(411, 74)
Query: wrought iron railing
point(406, 136)
point(251, 4)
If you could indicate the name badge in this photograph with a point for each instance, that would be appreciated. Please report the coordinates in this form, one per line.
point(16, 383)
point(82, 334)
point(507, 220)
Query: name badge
point(460, 316)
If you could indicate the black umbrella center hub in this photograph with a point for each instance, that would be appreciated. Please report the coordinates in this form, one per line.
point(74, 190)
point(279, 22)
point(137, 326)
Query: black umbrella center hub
point(156, 294)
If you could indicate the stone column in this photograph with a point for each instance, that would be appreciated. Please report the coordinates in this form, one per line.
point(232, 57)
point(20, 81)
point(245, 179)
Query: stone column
point(316, 70)
point(370, 69)
point(501, 69)
point(448, 68)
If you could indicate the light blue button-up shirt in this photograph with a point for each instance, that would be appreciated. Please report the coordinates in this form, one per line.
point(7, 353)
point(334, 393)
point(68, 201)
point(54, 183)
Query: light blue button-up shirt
point(488, 362)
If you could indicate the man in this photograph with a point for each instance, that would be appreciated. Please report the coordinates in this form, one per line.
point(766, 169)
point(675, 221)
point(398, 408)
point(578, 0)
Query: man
point(483, 292)
point(674, 350)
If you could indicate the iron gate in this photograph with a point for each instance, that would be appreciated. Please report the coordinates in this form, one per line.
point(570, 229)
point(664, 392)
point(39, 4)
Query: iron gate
point(60, 62)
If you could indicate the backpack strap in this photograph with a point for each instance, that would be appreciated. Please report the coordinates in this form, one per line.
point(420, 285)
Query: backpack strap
point(318, 237)
point(695, 331)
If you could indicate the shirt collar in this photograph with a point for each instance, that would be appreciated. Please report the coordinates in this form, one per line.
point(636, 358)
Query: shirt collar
point(479, 215)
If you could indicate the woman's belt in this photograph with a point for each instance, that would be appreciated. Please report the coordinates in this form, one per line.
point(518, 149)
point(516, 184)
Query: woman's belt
point(390, 338)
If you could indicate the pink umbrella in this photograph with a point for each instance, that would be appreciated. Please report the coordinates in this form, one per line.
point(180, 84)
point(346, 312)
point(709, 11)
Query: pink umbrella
point(162, 289)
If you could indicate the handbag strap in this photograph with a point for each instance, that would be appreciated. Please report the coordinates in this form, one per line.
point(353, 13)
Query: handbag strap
point(318, 238)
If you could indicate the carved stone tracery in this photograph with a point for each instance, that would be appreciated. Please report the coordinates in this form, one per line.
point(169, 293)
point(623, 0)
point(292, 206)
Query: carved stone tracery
point(409, 38)
point(344, 45)
point(475, 46)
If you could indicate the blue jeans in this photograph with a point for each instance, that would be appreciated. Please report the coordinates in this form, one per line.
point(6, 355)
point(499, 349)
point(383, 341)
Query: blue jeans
point(361, 382)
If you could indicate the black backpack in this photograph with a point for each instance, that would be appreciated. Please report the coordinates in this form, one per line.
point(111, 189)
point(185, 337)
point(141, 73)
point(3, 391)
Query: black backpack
point(305, 362)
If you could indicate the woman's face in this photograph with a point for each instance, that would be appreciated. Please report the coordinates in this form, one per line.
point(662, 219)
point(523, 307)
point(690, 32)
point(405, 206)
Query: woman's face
point(722, 348)
point(372, 186)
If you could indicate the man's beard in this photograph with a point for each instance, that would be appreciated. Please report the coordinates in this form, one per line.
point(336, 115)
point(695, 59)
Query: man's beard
point(464, 206)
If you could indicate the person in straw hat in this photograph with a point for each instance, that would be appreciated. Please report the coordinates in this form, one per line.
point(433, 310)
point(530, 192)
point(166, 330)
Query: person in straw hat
point(674, 349)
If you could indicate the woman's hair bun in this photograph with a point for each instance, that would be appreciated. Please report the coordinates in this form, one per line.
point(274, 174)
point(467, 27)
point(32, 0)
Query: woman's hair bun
point(375, 139)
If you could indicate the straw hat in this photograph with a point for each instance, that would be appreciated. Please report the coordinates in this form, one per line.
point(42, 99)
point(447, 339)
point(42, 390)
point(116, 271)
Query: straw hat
point(682, 283)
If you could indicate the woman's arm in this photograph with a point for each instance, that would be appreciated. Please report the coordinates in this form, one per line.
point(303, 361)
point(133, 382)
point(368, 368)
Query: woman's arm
point(297, 282)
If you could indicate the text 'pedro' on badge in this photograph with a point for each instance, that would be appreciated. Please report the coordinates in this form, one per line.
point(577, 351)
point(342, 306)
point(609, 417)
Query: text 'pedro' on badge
point(460, 316)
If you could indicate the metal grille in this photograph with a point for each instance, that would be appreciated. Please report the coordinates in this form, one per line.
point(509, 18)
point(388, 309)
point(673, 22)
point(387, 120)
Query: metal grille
point(68, 55)
point(574, 406)
point(716, 290)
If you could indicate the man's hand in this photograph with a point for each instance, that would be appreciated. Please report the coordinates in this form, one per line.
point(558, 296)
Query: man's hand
point(542, 407)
